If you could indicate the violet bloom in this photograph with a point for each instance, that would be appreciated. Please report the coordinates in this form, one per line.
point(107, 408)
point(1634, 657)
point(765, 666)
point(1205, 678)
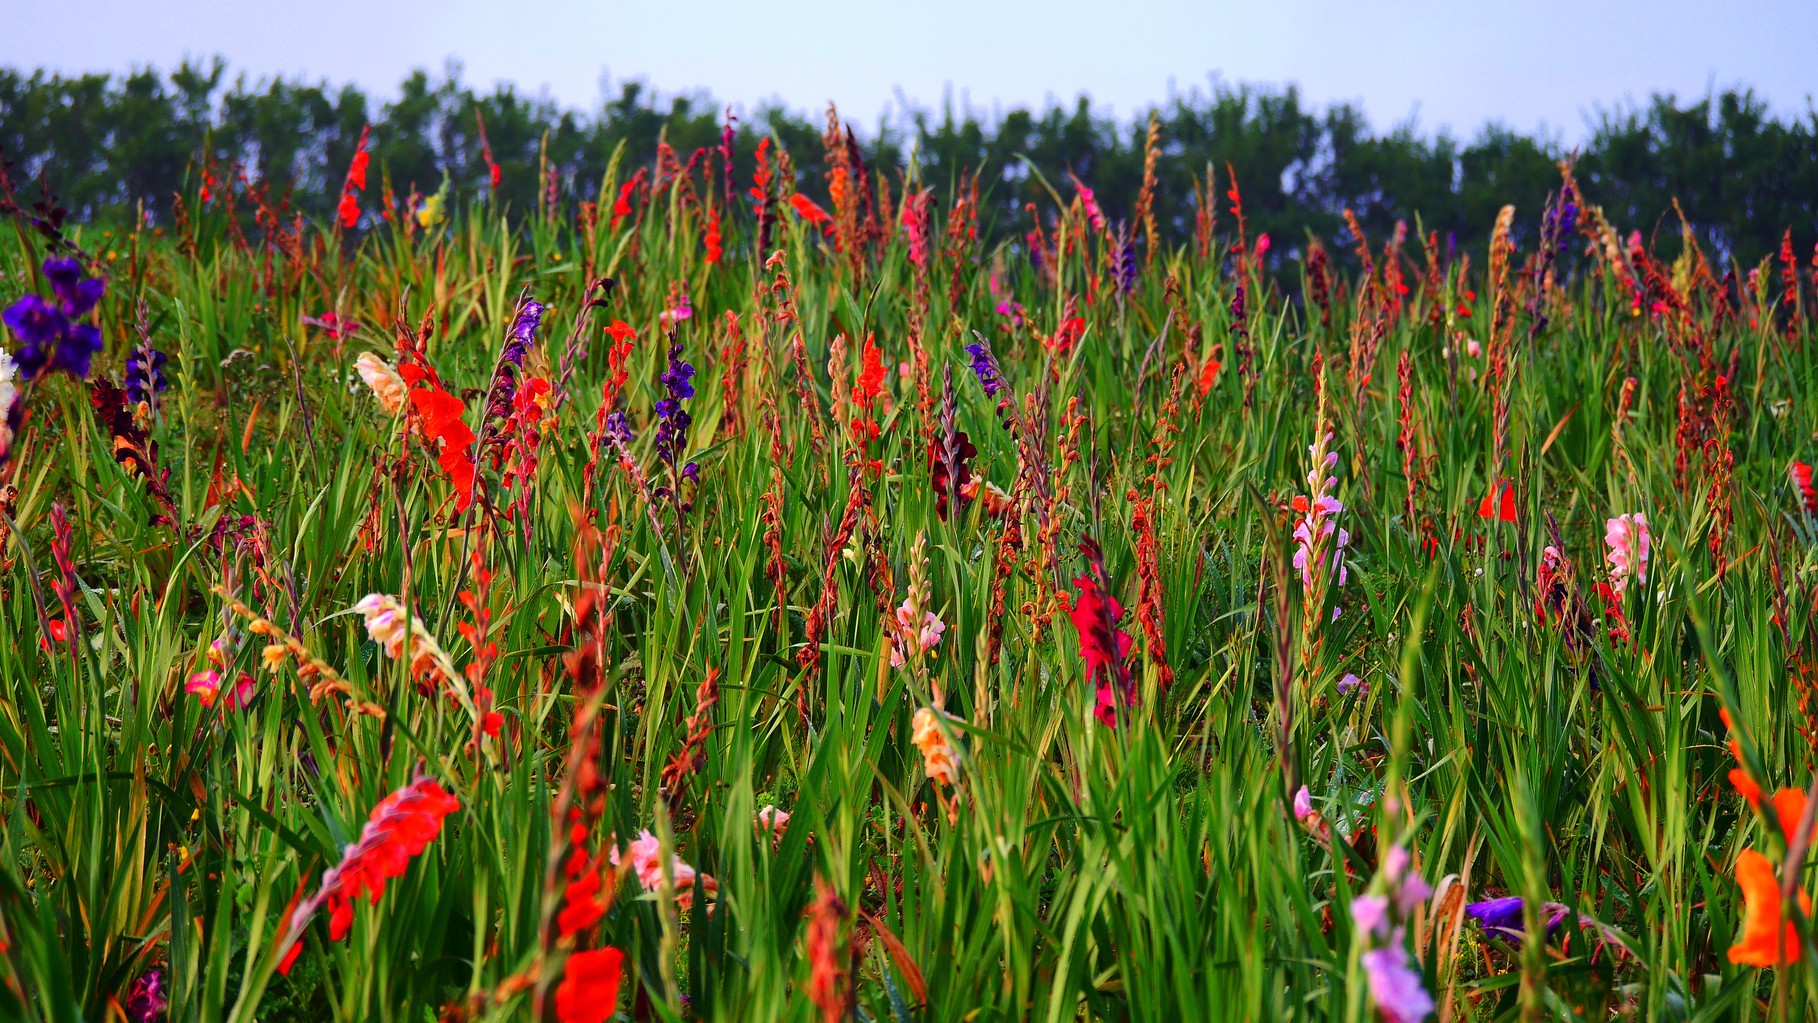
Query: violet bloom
point(145, 375)
point(1395, 985)
point(50, 334)
point(1125, 267)
point(523, 331)
point(672, 425)
point(984, 365)
point(1504, 918)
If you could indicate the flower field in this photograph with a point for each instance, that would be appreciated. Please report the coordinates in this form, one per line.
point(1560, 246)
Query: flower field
point(743, 596)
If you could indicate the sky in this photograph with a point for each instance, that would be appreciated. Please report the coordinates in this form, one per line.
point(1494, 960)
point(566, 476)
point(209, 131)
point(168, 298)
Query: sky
point(1539, 66)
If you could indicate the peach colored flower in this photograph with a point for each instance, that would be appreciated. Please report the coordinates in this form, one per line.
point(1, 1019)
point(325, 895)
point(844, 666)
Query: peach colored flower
point(385, 382)
point(937, 753)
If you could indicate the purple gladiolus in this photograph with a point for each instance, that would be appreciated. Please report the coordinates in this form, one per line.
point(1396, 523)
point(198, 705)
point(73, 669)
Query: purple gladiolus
point(984, 366)
point(1504, 918)
point(49, 333)
point(523, 331)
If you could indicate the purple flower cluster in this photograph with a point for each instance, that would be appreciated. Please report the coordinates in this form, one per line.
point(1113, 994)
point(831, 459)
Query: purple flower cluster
point(1505, 917)
point(145, 375)
point(984, 365)
point(48, 332)
point(1125, 268)
point(148, 999)
point(672, 418)
point(1558, 221)
point(523, 331)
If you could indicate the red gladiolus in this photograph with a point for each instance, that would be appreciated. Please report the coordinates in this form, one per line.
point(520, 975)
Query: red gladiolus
point(1101, 643)
point(59, 630)
point(349, 209)
point(813, 214)
point(713, 235)
point(400, 827)
point(1506, 513)
point(621, 207)
point(1801, 474)
point(443, 417)
point(589, 991)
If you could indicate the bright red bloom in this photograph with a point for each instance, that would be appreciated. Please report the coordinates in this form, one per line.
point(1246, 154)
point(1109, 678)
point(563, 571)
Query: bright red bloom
point(400, 827)
point(444, 419)
point(1101, 643)
point(582, 906)
point(349, 210)
point(714, 250)
point(621, 207)
point(589, 991)
point(809, 211)
point(1506, 512)
point(59, 630)
point(1801, 474)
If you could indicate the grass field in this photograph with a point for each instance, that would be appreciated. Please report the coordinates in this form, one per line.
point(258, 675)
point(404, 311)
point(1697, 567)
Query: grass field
point(718, 603)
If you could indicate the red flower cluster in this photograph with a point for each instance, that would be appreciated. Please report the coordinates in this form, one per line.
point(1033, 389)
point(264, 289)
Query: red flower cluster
point(589, 991)
point(1801, 475)
point(400, 827)
point(1505, 512)
point(714, 249)
point(812, 213)
point(1103, 645)
point(349, 210)
point(872, 376)
point(621, 207)
point(444, 419)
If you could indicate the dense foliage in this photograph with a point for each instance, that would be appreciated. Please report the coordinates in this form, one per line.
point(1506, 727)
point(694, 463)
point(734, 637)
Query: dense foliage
point(708, 602)
point(111, 142)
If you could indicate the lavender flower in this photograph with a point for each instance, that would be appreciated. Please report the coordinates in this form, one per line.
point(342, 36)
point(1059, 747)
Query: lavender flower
point(523, 331)
point(48, 332)
point(1395, 985)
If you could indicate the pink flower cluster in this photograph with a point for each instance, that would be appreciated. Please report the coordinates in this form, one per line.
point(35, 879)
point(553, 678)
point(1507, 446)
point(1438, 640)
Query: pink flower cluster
point(1318, 526)
point(1380, 919)
point(1628, 540)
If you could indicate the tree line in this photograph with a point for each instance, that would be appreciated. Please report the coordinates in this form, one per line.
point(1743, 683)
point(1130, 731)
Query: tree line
point(109, 144)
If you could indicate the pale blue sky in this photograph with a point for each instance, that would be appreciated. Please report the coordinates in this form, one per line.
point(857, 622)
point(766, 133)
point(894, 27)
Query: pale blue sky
point(1534, 64)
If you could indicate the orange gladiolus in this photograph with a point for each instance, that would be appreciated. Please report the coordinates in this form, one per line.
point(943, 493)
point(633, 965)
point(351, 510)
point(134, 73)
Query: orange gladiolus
point(1768, 939)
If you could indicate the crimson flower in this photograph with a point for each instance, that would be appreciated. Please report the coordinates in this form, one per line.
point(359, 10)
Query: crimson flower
point(1506, 512)
point(1101, 643)
point(400, 827)
point(589, 991)
point(1801, 475)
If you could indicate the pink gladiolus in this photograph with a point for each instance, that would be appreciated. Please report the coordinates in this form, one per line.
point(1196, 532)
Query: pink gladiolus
point(1627, 537)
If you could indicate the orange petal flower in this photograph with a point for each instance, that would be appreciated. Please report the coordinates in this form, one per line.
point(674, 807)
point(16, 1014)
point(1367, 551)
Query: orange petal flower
point(1767, 938)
